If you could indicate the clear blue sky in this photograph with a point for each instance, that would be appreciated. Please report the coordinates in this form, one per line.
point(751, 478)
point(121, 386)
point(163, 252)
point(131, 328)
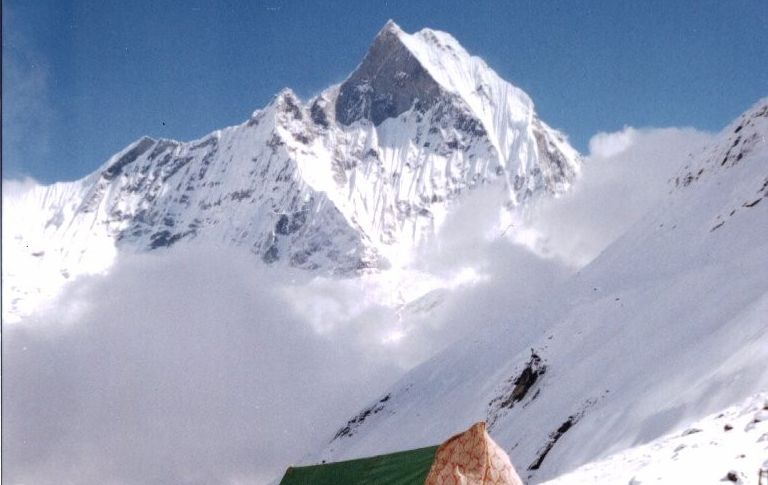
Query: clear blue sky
point(82, 79)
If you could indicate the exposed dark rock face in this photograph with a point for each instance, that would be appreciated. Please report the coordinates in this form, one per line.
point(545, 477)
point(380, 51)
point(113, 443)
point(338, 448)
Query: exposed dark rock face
point(387, 83)
point(117, 167)
point(516, 388)
point(288, 224)
point(164, 239)
point(318, 114)
point(291, 105)
point(525, 380)
point(553, 162)
point(733, 476)
point(271, 255)
point(352, 424)
point(553, 437)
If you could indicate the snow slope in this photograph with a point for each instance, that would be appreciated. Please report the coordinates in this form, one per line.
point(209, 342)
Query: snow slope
point(354, 179)
point(726, 447)
point(667, 325)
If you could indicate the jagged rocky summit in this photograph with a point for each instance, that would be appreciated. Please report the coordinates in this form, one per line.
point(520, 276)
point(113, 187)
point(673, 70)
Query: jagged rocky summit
point(351, 179)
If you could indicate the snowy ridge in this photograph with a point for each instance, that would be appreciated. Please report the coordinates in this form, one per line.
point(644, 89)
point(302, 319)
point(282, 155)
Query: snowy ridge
point(505, 110)
point(354, 179)
point(663, 328)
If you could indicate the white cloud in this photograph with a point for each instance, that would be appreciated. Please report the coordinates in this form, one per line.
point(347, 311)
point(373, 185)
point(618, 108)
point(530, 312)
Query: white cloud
point(200, 365)
point(605, 145)
point(15, 188)
point(188, 366)
point(623, 178)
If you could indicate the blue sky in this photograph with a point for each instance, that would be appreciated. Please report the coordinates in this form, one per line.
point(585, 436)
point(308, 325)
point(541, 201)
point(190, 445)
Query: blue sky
point(82, 79)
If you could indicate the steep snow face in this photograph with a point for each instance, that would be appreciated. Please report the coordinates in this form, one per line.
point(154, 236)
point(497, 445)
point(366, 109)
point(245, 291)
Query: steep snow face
point(237, 186)
point(47, 242)
point(354, 179)
point(420, 121)
point(666, 326)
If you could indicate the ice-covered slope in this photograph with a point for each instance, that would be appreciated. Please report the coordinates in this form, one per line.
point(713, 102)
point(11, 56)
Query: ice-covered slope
point(726, 447)
point(352, 179)
point(664, 327)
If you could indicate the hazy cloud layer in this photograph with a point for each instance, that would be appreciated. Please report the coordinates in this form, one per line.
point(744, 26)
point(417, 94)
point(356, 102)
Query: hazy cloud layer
point(182, 367)
point(624, 176)
point(200, 365)
point(203, 366)
point(17, 187)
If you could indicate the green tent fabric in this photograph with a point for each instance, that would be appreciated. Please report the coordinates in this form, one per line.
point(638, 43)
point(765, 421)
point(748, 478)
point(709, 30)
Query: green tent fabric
point(401, 468)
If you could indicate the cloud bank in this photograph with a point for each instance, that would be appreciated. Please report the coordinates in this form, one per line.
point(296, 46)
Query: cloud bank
point(200, 365)
point(182, 367)
point(625, 175)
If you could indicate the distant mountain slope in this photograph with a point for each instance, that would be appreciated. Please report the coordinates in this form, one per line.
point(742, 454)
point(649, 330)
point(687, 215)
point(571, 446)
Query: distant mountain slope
point(352, 179)
point(667, 325)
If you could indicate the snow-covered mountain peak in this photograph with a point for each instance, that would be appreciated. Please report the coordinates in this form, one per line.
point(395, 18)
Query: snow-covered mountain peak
point(126, 156)
point(390, 27)
point(402, 69)
point(285, 99)
point(355, 178)
point(454, 68)
point(388, 82)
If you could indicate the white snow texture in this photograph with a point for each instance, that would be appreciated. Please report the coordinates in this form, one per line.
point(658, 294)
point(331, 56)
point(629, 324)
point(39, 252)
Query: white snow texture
point(373, 269)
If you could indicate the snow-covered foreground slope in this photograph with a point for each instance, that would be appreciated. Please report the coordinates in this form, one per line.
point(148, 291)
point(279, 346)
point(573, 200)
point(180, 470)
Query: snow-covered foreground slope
point(667, 325)
point(726, 447)
point(354, 179)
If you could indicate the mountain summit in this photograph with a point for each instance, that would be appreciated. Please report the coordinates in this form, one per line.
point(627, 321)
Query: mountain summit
point(352, 179)
point(389, 82)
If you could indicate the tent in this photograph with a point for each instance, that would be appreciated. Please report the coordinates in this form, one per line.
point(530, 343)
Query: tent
point(469, 458)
